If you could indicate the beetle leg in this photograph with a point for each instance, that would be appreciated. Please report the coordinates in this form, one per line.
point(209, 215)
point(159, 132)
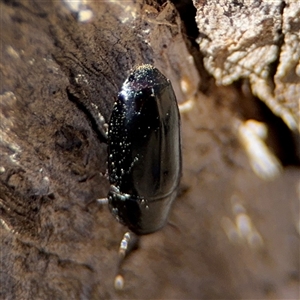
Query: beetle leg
point(128, 243)
point(102, 201)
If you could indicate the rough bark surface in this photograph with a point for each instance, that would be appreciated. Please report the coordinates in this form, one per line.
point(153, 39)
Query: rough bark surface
point(232, 234)
point(259, 40)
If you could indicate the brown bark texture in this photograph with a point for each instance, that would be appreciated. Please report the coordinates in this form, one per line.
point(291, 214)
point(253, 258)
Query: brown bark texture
point(233, 232)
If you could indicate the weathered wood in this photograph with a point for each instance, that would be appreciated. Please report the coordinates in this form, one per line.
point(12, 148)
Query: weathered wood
point(61, 69)
point(259, 40)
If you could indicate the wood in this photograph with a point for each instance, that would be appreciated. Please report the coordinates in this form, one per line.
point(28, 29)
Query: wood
point(62, 67)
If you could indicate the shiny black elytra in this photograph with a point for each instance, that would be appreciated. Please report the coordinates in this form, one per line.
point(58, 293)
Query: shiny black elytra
point(144, 155)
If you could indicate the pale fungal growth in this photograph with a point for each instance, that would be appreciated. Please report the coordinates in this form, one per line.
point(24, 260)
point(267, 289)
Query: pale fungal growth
point(242, 228)
point(124, 245)
point(237, 207)
point(84, 13)
point(46, 179)
point(12, 52)
point(255, 240)
point(185, 86)
point(243, 224)
point(242, 39)
point(80, 79)
point(4, 225)
point(263, 162)
point(7, 227)
point(189, 91)
point(263, 90)
point(7, 120)
point(230, 230)
point(231, 37)
point(127, 12)
point(187, 105)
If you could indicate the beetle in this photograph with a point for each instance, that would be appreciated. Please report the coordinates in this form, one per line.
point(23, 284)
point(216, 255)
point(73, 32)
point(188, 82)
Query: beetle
point(144, 151)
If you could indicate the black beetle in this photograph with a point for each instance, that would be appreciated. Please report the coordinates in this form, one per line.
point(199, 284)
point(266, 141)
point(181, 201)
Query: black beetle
point(144, 151)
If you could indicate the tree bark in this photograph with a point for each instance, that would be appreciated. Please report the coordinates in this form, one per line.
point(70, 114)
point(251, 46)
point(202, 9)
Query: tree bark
point(234, 229)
